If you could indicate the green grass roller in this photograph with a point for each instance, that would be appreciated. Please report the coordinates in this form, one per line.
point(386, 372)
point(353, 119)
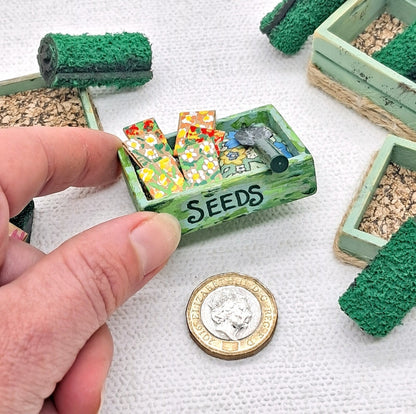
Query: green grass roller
point(400, 53)
point(385, 290)
point(290, 23)
point(119, 60)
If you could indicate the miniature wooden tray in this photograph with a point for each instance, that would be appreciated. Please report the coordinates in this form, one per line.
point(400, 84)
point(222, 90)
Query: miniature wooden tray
point(35, 81)
point(388, 99)
point(351, 244)
point(213, 203)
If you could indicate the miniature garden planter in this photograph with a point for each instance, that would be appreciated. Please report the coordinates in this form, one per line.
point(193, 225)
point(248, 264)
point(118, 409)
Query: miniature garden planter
point(35, 81)
point(206, 205)
point(352, 243)
point(388, 98)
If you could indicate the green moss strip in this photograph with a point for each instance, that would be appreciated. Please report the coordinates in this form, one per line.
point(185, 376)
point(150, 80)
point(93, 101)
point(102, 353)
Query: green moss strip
point(385, 290)
point(400, 53)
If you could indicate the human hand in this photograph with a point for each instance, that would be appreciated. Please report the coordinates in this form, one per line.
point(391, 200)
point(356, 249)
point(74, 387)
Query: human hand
point(55, 349)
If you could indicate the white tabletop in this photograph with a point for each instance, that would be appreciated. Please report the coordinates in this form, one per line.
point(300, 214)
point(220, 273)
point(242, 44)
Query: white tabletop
point(211, 55)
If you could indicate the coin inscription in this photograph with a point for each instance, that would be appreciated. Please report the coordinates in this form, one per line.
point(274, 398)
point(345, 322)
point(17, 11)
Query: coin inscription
point(231, 316)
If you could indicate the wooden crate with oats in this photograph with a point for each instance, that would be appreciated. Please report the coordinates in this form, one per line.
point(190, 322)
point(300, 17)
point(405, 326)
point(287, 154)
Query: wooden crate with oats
point(348, 51)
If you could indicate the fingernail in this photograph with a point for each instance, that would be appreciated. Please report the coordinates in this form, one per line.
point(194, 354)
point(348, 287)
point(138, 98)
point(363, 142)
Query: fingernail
point(101, 401)
point(155, 239)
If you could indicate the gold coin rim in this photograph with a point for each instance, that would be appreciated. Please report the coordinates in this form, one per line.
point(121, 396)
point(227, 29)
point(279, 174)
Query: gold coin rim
point(229, 355)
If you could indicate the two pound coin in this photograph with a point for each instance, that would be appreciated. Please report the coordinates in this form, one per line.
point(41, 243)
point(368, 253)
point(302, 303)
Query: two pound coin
point(231, 316)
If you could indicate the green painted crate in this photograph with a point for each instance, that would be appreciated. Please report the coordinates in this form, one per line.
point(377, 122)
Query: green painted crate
point(351, 241)
point(213, 203)
point(390, 99)
point(35, 81)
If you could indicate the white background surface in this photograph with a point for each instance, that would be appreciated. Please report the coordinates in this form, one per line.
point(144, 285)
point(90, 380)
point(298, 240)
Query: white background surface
point(211, 55)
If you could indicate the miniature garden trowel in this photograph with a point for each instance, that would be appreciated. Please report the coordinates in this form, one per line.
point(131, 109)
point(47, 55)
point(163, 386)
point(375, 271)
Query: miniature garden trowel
point(259, 137)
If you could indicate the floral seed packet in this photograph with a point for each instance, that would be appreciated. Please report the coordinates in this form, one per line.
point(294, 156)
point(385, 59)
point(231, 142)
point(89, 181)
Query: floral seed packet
point(142, 156)
point(236, 159)
point(146, 143)
point(200, 134)
point(199, 162)
point(204, 119)
point(162, 178)
point(169, 165)
point(284, 150)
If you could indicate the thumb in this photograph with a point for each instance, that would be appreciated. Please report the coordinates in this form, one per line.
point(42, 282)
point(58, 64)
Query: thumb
point(50, 312)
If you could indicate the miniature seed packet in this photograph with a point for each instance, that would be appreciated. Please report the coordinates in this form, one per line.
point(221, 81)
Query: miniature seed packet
point(169, 165)
point(236, 159)
point(162, 178)
point(284, 150)
point(204, 119)
point(142, 156)
point(199, 162)
point(17, 233)
point(146, 143)
point(200, 134)
point(146, 127)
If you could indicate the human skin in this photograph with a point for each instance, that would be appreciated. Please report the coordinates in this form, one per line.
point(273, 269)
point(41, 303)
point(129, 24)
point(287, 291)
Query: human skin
point(55, 346)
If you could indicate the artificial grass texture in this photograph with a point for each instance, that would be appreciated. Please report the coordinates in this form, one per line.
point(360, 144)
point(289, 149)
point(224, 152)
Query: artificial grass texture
point(120, 60)
point(385, 290)
point(300, 21)
point(400, 53)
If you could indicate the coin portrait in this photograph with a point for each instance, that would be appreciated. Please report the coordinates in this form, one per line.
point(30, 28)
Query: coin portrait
point(231, 315)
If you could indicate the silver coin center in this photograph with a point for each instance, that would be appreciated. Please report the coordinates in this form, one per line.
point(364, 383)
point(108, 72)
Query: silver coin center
point(231, 313)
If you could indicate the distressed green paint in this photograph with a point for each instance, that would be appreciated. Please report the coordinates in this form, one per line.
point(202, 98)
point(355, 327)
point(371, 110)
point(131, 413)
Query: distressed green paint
point(90, 114)
point(213, 203)
point(337, 58)
point(362, 88)
point(357, 243)
point(35, 81)
point(132, 180)
point(22, 84)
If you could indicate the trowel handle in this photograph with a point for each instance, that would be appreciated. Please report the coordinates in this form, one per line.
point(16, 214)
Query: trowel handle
point(271, 155)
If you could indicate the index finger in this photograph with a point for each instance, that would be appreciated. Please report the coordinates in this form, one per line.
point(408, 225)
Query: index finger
point(41, 160)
